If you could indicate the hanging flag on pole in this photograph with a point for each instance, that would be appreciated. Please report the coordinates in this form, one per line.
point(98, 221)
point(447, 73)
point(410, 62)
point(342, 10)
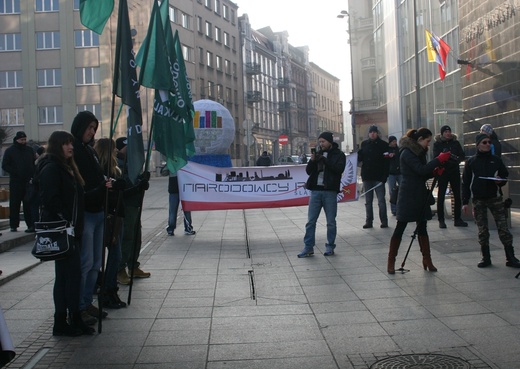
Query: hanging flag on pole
point(437, 50)
point(163, 68)
point(126, 86)
point(94, 14)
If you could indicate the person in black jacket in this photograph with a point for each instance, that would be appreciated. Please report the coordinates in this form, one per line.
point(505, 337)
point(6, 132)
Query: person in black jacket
point(394, 172)
point(412, 201)
point(133, 200)
point(484, 174)
point(264, 160)
point(174, 201)
point(60, 187)
point(324, 169)
point(83, 129)
point(447, 142)
point(374, 172)
point(18, 161)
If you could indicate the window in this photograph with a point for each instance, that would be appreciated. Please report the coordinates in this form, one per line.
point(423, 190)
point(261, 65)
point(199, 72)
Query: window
point(10, 42)
point(209, 59)
point(217, 6)
point(225, 11)
point(11, 79)
point(50, 114)
point(47, 40)
point(202, 86)
point(209, 32)
point(218, 60)
point(235, 70)
point(218, 34)
point(207, 3)
point(76, 4)
point(12, 117)
point(210, 87)
point(47, 5)
point(226, 39)
point(232, 16)
point(199, 24)
point(227, 66)
point(87, 76)
point(201, 55)
point(86, 38)
point(186, 21)
point(187, 53)
point(48, 77)
point(9, 6)
point(173, 14)
point(233, 42)
point(93, 108)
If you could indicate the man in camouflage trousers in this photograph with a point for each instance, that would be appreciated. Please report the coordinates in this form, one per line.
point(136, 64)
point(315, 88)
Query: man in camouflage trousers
point(484, 175)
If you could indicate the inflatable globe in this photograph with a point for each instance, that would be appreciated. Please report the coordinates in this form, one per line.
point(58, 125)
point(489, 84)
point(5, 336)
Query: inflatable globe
point(214, 128)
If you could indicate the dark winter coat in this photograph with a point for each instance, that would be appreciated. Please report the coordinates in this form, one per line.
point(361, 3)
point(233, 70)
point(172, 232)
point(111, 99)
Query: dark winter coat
point(451, 167)
point(88, 164)
point(374, 165)
point(412, 201)
point(19, 163)
point(58, 189)
point(263, 161)
point(395, 165)
point(483, 164)
point(332, 166)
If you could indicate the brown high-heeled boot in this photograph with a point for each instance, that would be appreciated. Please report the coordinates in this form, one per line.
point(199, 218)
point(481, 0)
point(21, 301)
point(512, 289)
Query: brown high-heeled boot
point(392, 253)
point(424, 244)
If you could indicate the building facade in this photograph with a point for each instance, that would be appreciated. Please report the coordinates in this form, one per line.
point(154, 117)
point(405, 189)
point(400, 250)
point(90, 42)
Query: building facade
point(51, 67)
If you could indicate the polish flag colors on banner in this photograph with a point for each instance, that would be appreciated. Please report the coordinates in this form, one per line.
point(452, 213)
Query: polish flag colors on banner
point(204, 187)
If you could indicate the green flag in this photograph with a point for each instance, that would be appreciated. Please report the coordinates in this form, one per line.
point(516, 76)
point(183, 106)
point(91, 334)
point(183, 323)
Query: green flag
point(126, 86)
point(95, 13)
point(162, 68)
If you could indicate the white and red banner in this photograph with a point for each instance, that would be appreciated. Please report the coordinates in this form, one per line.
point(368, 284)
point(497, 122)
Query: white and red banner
point(204, 187)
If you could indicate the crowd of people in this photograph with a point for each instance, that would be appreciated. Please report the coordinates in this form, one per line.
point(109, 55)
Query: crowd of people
point(85, 181)
point(405, 167)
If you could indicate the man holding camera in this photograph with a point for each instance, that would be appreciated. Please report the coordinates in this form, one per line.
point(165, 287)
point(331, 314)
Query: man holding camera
point(447, 142)
point(324, 169)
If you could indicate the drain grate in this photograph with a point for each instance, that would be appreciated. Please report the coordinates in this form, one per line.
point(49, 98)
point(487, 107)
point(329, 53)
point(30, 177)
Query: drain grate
point(422, 361)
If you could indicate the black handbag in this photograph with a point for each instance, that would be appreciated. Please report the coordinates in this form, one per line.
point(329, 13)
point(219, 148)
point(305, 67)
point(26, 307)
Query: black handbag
point(54, 240)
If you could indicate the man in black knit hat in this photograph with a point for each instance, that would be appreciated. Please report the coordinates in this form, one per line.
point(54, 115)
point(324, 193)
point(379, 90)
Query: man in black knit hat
point(447, 142)
point(324, 168)
point(484, 174)
point(18, 161)
point(375, 164)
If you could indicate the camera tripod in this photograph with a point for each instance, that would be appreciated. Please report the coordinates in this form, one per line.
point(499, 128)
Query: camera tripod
point(414, 235)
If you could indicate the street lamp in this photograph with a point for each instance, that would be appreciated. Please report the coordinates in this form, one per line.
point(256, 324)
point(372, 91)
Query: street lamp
point(342, 15)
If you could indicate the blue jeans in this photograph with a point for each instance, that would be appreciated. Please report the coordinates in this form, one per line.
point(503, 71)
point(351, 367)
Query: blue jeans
point(91, 254)
point(391, 181)
point(172, 215)
point(369, 198)
point(318, 200)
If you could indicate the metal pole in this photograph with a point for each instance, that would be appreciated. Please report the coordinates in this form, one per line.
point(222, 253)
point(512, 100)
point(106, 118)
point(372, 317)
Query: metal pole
point(418, 85)
point(353, 101)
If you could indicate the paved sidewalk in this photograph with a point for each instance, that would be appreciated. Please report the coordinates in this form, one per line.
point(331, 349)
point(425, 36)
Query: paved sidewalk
point(236, 296)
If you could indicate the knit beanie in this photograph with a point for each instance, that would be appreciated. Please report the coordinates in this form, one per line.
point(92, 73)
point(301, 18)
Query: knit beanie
point(480, 137)
point(19, 134)
point(487, 129)
point(327, 136)
point(445, 128)
point(373, 129)
point(392, 138)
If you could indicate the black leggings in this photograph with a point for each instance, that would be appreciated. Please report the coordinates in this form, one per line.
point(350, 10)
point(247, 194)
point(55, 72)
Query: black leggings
point(401, 226)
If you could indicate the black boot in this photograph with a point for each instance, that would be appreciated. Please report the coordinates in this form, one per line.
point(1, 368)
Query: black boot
point(80, 325)
point(486, 257)
point(512, 261)
point(111, 299)
point(62, 328)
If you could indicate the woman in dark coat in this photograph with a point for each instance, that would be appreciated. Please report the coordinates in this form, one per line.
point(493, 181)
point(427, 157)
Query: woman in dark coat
point(412, 201)
point(60, 188)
